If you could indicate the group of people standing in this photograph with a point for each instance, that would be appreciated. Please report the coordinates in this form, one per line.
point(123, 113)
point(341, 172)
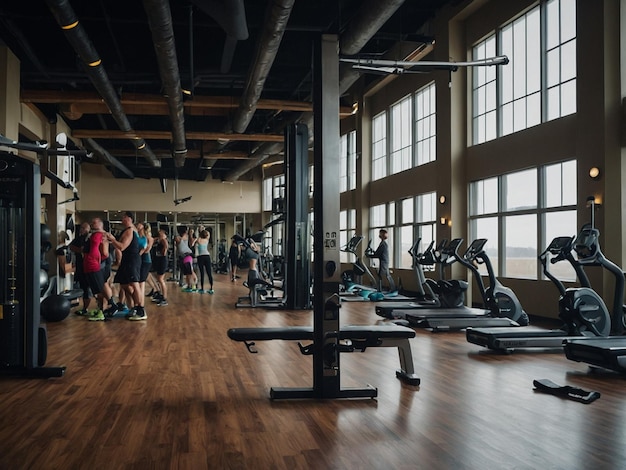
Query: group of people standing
point(187, 245)
point(98, 252)
point(103, 261)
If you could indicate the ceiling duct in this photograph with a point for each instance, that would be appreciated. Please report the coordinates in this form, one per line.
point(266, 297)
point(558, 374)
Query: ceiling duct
point(276, 20)
point(107, 157)
point(372, 16)
point(76, 35)
point(267, 48)
point(160, 21)
point(231, 16)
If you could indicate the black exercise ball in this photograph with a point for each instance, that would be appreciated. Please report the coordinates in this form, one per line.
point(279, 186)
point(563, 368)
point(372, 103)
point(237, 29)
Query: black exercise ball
point(43, 280)
point(45, 233)
point(55, 308)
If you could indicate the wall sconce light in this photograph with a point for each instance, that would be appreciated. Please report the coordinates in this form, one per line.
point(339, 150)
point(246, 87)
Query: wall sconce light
point(442, 199)
point(443, 221)
point(596, 200)
point(594, 173)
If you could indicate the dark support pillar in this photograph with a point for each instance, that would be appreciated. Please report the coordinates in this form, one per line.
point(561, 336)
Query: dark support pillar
point(297, 262)
point(326, 277)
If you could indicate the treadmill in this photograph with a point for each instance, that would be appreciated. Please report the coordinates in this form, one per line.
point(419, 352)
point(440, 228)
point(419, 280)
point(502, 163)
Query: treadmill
point(466, 317)
point(585, 319)
point(607, 353)
point(431, 294)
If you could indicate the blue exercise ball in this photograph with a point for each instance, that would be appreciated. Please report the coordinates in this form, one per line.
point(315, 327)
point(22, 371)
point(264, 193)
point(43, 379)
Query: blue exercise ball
point(55, 308)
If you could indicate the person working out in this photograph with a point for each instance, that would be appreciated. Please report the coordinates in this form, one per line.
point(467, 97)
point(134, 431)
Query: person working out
point(183, 247)
point(204, 261)
point(128, 274)
point(382, 253)
point(160, 266)
point(233, 257)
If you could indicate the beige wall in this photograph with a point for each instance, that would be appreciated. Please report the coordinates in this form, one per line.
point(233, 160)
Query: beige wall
point(99, 190)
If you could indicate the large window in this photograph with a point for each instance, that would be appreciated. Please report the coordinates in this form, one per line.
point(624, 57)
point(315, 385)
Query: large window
point(347, 229)
point(379, 146)
point(560, 58)
point(538, 84)
point(382, 216)
point(401, 136)
point(521, 78)
point(520, 213)
point(417, 220)
point(412, 128)
point(347, 180)
point(425, 125)
point(484, 122)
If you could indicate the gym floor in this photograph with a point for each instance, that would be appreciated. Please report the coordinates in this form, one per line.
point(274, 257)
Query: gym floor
point(175, 392)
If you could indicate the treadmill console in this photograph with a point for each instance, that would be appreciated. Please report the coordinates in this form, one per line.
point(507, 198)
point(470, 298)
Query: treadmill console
point(560, 244)
point(474, 249)
point(452, 247)
point(586, 244)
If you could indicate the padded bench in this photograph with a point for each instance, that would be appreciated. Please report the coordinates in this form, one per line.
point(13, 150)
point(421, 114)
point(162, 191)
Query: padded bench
point(360, 336)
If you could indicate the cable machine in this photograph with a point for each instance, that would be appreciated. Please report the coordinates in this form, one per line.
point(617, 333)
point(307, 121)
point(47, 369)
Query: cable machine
point(23, 340)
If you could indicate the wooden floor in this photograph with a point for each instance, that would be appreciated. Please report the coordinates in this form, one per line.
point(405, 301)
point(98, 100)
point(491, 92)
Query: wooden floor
point(175, 393)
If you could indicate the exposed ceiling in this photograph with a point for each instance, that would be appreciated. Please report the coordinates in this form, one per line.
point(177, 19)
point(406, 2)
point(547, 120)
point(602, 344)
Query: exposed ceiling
point(193, 89)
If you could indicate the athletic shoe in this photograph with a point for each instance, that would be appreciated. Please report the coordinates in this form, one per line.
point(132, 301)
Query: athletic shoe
point(111, 311)
point(157, 297)
point(123, 308)
point(98, 316)
point(151, 293)
point(162, 303)
point(83, 312)
point(138, 316)
point(189, 289)
point(210, 291)
point(232, 279)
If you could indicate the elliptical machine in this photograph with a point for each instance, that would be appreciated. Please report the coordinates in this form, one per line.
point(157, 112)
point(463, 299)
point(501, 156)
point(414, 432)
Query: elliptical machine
point(350, 277)
point(582, 310)
point(450, 292)
point(500, 300)
point(432, 294)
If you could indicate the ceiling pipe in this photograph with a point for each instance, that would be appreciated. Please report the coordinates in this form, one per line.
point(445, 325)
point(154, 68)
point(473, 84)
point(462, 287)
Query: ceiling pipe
point(231, 16)
point(77, 37)
point(267, 47)
point(107, 157)
point(371, 17)
point(258, 156)
point(160, 21)
point(276, 19)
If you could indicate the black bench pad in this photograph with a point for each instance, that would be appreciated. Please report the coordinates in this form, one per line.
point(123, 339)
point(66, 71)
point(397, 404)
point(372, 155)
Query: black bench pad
point(296, 333)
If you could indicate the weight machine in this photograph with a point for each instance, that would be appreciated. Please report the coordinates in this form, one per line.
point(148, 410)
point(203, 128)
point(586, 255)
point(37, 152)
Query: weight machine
point(23, 339)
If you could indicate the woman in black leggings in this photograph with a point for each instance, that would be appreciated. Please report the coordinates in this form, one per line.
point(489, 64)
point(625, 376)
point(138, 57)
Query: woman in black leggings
point(204, 261)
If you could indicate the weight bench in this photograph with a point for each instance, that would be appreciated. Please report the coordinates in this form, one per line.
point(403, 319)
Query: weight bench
point(259, 296)
point(350, 338)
